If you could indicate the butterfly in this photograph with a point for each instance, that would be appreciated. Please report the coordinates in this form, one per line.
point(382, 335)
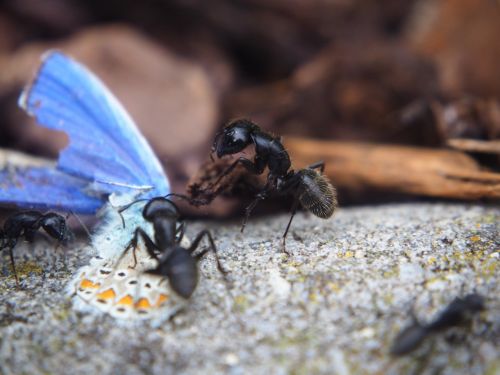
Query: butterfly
point(106, 154)
point(107, 163)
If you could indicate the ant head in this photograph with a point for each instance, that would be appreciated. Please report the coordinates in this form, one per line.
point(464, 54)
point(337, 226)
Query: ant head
point(234, 137)
point(160, 206)
point(55, 226)
point(316, 193)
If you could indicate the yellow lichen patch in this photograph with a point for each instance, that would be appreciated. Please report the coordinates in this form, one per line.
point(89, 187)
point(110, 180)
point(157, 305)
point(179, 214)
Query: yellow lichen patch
point(388, 298)
point(475, 238)
point(143, 303)
point(489, 268)
point(161, 299)
point(433, 281)
point(431, 261)
point(313, 297)
point(127, 300)
point(87, 284)
point(241, 302)
point(24, 269)
point(333, 287)
point(107, 294)
point(393, 272)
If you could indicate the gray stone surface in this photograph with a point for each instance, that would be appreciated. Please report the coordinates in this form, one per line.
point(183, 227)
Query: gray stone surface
point(333, 307)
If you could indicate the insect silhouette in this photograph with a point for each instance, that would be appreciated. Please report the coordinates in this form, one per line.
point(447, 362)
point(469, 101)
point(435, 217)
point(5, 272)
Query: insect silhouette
point(25, 224)
point(308, 187)
point(455, 314)
point(176, 263)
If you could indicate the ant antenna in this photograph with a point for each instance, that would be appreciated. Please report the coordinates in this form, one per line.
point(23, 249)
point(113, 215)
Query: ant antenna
point(85, 228)
point(126, 207)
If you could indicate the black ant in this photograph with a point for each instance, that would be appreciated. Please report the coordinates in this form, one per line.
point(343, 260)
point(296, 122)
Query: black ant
point(455, 314)
point(26, 224)
point(174, 261)
point(308, 186)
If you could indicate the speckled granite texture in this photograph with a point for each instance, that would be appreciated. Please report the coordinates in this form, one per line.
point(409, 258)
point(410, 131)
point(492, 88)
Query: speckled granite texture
point(332, 307)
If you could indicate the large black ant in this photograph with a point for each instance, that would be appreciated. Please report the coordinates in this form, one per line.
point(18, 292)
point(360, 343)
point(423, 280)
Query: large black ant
point(455, 314)
point(174, 261)
point(26, 224)
point(308, 186)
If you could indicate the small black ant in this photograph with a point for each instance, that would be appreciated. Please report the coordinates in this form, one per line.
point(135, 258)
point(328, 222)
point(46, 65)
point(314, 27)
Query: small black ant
point(174, 261)
point(308, 186)
point(26, 224)
point(455, 314)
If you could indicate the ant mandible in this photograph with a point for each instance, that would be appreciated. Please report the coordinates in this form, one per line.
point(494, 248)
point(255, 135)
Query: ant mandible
point(455, 314)
point(175, 262)
point(26, 224)
point(309, 187)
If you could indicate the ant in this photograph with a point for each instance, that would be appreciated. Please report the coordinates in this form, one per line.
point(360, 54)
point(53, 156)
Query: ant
point(309, 187)
point(26, 224)
point(174, 261)
point(455, 314)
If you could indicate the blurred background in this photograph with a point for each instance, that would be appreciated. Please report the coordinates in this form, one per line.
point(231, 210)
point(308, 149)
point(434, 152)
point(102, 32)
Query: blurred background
point(400, 98)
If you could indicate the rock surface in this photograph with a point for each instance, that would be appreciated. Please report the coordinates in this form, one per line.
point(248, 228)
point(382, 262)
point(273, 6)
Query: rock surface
point(333, 307)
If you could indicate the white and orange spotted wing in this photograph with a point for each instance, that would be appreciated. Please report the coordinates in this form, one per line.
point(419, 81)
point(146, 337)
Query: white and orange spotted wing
point(114, 283)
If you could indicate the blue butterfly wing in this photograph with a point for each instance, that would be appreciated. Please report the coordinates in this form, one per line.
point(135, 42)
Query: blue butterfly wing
point(47, 188)
point(105, 145)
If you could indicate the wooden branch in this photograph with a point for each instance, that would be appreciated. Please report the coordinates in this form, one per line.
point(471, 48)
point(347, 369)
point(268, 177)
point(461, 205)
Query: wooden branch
point(412, 170)
point(473, 145)
point(20, 159)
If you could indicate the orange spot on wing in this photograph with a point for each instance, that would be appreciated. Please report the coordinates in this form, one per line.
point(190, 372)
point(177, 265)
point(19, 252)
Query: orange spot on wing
point(143, 303)
point(107, 294)
point(87, 284)
point(161, 299)
point(127, 300)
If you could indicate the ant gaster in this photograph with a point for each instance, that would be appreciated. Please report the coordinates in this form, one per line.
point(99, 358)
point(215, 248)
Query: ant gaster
point(26, 224)
point(174, 261)
point(308, 186)
point(455, 314)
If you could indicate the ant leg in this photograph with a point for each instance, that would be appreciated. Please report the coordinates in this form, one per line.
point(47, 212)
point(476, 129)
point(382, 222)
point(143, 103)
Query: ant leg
point(212, 247)
point(248, 164)
point(13, 264)
point(180, 232)
point(318, 165)
point(191, 201)
point(259, 197)
point(150, 246)
point(295, 206)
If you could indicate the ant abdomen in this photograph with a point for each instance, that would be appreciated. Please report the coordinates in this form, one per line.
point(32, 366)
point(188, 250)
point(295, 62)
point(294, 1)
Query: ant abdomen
point(409, 339)
point(316, 194)
point(181, 270)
